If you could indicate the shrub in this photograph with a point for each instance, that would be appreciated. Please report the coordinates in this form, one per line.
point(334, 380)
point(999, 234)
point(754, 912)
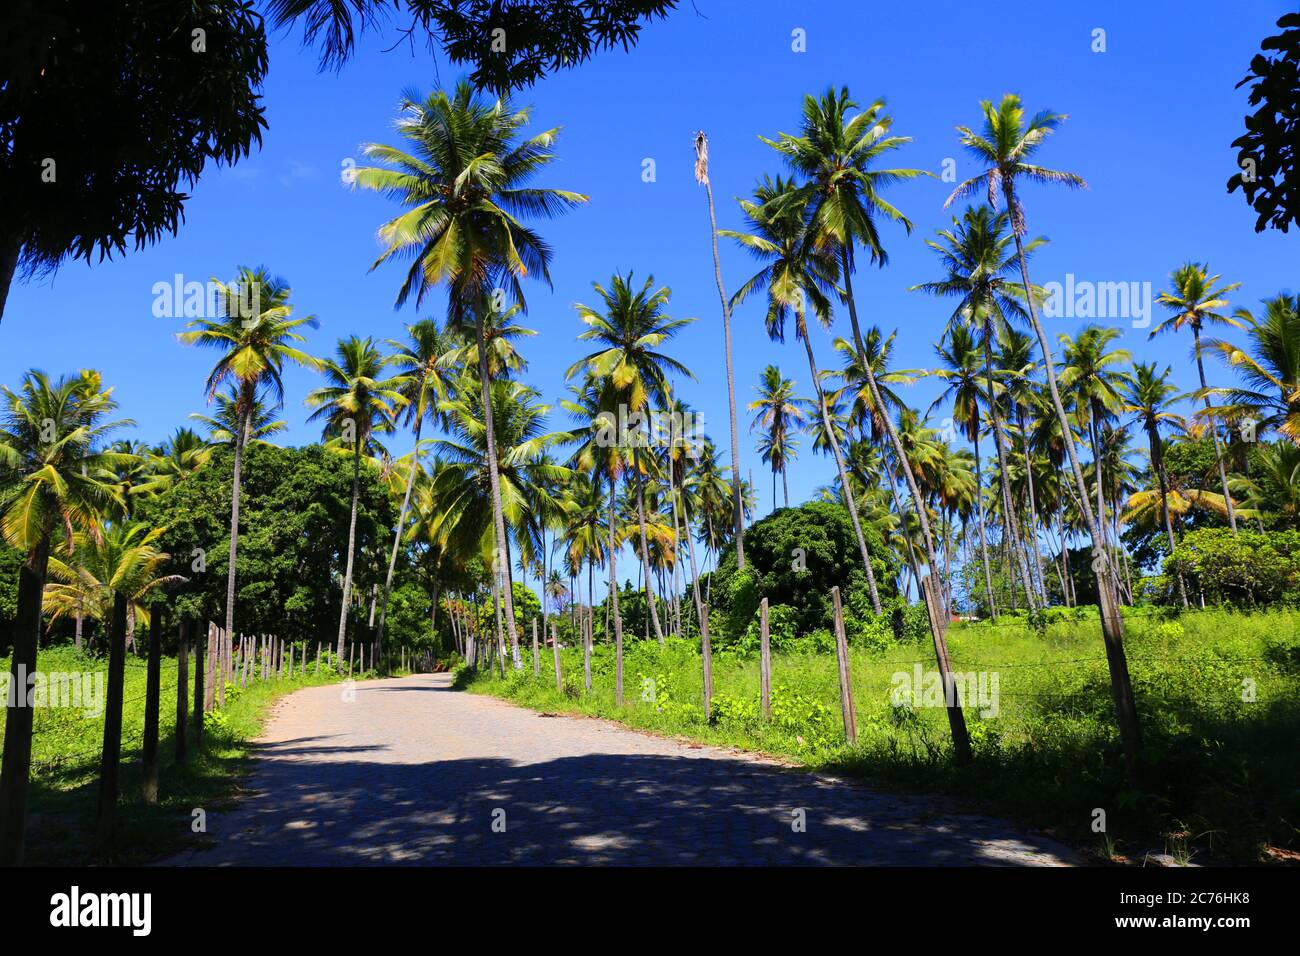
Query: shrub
point(1249, 568)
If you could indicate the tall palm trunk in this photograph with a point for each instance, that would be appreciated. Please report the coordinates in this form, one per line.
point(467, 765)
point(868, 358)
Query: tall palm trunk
point(1214, 430)
point(702, 175)
point(984, 546)
point(246, 398)
point(613, 597)
point(111, 755)
point(645, 550)
point(17, 763)
point(1008, 506)
point(1112, 626)
point(352, 542)
point(1033, 502)
point(397, 538)
point(1162, 477)
point(839, 460)
point(938, 625)
point(494, 477)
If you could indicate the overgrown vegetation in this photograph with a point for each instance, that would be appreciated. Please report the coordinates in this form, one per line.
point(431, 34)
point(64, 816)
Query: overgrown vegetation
point(1218, 691)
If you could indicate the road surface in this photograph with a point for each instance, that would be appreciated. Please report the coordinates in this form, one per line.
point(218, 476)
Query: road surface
point(409, 771)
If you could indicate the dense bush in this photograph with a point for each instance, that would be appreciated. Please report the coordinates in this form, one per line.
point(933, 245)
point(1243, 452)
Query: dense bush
point(794, 557)
point(1249, 568)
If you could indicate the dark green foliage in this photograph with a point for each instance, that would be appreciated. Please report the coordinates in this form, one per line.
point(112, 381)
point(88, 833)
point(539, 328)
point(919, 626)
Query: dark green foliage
point(1248, 569)
point(293, 534)
point(11, 560)
point(117, 95)
point(794, 557)
point(1273, 130)
point(544, 35)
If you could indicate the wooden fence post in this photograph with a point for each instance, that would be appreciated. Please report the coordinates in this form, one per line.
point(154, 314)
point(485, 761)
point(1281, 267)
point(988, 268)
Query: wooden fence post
point(200, 694)
point(842, 656)
point(586, 650)
point(555, 653)
point(211, 668)
point(706, 652)
point(318, 658)
point(764, 660)
point(537, 662)
point(182, 687)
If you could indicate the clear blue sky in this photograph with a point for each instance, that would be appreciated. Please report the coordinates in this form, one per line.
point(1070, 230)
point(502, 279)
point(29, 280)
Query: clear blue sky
point(1151, 120)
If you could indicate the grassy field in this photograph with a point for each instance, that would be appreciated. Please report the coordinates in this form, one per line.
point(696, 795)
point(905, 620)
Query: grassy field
point(1217, 692)
point(65, 764)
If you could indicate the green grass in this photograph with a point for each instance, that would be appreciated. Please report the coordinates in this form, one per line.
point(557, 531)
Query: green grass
point(65, 765)
point(1223, 769)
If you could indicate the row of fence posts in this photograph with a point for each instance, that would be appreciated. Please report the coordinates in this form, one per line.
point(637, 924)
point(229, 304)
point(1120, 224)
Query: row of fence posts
point(489, 651)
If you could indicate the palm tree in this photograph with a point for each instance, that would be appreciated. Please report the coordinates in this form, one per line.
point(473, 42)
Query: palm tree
point(1021, 393)
point(1274, 485)
point(467, 189)
point(254, 350)
point(702, 177)
point(1005, 146)
point(355, 404)
point(778, 411)
point(977, 255)
point(178, 458)
point(1147, 395)
point(836, 154)
point(794, 274)
point(1270, 364)
point(629, 333)
point(1193, 299)
point(223, 425)
point(423, 383)
point(1095, 386)
point(960, 369)
point(52, 468)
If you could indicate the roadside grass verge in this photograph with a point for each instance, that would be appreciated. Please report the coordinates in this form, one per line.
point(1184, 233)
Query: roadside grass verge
point(1218, 692)
point(65, 764)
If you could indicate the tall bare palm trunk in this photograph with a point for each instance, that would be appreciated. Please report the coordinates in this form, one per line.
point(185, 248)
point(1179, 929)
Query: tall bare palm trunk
point(738, 515)
point(17, 763)
point(839, 462)
point(934, 607)
point(1214, 430)
point(1158, 462)
point(613, 598)
point(352, 543)
point(1008, 506)
point(241, 438)
point(1112, 626)
point(984, 546)
point(397, 537)
point(494, 477)
point(1033, 502)
point(645, 550)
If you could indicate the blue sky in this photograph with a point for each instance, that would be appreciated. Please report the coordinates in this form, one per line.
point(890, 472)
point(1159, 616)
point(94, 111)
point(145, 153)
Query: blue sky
point(1151, 120)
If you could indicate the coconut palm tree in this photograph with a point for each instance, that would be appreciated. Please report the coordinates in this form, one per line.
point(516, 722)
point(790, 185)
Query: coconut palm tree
point(795, 275)
point(1091, 377)
point(424, 383)
point(1194, 299)
point(466, 182)
point(254, 350)
point(223, 424)
point(1004, 147)
point(629, 333)
point(737, 515)
point(778, 411)
point(1270, 364)
point(960, 369)
point(1274, 484)
point(977, 255)
point(53, 470)
point(181, 456)
point(357, 403)
point(836, 154)
point(1147, 396)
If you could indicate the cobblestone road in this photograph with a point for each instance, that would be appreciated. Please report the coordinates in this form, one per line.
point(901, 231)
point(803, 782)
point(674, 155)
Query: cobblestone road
point(411, 772)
